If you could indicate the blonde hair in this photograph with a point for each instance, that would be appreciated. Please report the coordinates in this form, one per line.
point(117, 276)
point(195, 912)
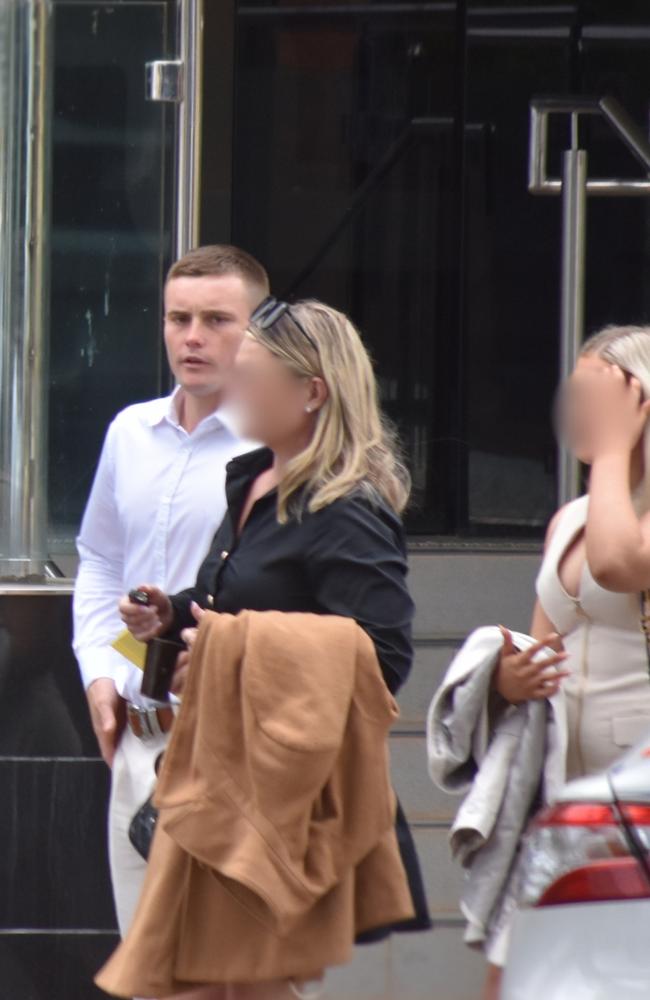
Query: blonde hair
point(353, 448)
point(629, 348)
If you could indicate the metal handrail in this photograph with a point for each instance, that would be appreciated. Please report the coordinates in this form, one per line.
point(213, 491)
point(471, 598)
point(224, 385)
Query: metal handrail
point(574, 186)
point(621, 123)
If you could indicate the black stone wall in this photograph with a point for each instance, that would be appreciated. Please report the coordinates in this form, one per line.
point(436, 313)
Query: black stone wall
point(57, 923)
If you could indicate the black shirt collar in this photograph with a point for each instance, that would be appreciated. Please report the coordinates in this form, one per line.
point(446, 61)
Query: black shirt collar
point(240, 473)
point(250, 464)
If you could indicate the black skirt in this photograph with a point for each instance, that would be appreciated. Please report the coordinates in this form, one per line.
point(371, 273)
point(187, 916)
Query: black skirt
point(421, 921)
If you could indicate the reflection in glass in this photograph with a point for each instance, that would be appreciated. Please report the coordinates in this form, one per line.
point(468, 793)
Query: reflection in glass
point(110, 236)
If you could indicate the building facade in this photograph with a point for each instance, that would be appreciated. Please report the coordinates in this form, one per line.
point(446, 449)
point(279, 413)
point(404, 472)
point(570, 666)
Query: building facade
point(469, 181)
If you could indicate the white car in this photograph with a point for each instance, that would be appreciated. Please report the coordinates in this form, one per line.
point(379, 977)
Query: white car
point(583, 929)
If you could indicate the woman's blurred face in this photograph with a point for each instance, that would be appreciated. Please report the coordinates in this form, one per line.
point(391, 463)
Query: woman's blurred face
point(572, 410)
point(271, 401)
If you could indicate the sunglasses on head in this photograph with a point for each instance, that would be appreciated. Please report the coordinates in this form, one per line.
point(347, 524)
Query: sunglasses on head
point(271, 310)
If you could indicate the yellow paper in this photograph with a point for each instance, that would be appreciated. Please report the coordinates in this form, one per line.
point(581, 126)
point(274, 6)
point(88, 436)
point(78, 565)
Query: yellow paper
point(132, 648)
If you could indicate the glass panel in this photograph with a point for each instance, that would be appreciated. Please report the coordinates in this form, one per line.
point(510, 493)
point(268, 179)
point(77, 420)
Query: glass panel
point(344, 167)
point(616, 61)
point(111, 236)
point(512, 273)
point(380, 163)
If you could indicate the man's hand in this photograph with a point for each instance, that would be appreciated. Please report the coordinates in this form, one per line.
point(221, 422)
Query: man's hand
point(518, 677)
point(145, 621)
point(108, 715)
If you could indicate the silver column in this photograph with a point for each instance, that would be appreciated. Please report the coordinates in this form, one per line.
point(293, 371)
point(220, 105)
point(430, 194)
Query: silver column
point(24, 287)
point(572, 309)
point(189, 126)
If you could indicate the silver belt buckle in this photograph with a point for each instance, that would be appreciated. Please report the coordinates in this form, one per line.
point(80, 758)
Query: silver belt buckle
point(149, 725)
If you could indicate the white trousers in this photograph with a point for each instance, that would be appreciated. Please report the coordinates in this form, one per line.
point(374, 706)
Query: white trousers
point(133, 779)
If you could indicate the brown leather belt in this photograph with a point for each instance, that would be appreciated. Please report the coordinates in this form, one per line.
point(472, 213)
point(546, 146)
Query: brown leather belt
point(147, 723)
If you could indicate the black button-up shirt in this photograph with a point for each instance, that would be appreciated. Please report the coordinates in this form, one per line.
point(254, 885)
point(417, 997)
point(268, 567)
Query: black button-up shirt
point(348, 559)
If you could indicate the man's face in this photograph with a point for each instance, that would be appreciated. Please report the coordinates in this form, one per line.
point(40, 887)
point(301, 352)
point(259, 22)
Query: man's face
point(205, 319)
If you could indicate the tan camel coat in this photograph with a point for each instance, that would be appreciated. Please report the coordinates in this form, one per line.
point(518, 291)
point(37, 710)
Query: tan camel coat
point(275, 844)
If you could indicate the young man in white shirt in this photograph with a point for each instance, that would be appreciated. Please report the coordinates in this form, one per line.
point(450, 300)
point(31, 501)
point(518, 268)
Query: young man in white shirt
point(157, 498)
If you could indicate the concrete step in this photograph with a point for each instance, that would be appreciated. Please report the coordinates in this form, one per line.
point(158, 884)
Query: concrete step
point(430, 813)
point(421, 800)
point(455, 592)
point(443, 877)
point(435, 965)
point(432, 657)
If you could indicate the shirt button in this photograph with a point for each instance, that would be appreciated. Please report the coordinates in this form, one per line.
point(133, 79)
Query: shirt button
point(225, 554)
point(210, 601)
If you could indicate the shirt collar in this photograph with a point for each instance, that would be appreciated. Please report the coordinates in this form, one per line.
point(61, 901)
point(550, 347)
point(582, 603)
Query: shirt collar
point(240, 473)
point(250, 463)
point(167, 411)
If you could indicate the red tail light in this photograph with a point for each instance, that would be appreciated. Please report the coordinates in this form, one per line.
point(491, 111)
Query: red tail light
point(592, 814)
point(620, 878)
point(578, 852)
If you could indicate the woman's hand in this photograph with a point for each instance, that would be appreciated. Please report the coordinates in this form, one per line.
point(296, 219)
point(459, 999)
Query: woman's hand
point(145, 621)
point(519, 678)
point(188, 635)
point(610, 407)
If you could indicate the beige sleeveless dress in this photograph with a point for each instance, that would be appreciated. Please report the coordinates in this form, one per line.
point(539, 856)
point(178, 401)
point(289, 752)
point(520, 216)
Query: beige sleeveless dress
point(608, 692)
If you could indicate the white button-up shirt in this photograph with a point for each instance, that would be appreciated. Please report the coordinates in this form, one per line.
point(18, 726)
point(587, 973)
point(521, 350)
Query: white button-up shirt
point(156, 501)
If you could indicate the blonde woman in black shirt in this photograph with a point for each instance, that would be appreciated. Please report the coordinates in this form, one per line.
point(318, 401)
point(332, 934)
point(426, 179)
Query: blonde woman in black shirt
point(313, 518)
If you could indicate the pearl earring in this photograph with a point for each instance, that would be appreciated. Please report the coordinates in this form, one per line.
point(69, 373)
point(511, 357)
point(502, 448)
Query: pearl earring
point(308, 409)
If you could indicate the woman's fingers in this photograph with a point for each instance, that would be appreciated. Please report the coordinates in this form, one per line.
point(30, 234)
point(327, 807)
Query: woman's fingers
point(188, 635)
point(553, 676)
point(509, 647)
point(555, 641)
point(546, 682)
point(539, 666)
point(180, 672)
point(545, 690)
point(551, 641)
point(520, 676)
point(197, 611)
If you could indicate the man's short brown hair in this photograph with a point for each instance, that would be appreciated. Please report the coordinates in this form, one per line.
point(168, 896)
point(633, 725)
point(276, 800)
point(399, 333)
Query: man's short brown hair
point(218, 259)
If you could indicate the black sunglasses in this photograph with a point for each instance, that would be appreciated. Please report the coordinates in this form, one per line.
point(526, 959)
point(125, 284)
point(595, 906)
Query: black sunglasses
point(269, 312)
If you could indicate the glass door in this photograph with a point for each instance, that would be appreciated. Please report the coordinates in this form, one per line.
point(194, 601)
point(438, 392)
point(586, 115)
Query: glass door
point(97, 193)
point(112, 216)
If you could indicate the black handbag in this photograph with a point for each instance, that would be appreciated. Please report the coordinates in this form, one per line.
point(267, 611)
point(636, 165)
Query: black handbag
point(143, 827)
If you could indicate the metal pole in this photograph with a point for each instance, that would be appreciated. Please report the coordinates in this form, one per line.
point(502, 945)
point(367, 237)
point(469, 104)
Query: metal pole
point(574, 223)
point(24, 229)
point(189, 126)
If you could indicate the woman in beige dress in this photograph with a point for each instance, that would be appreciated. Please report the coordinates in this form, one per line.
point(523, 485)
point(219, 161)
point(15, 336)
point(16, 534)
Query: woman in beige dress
point(596, 564)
